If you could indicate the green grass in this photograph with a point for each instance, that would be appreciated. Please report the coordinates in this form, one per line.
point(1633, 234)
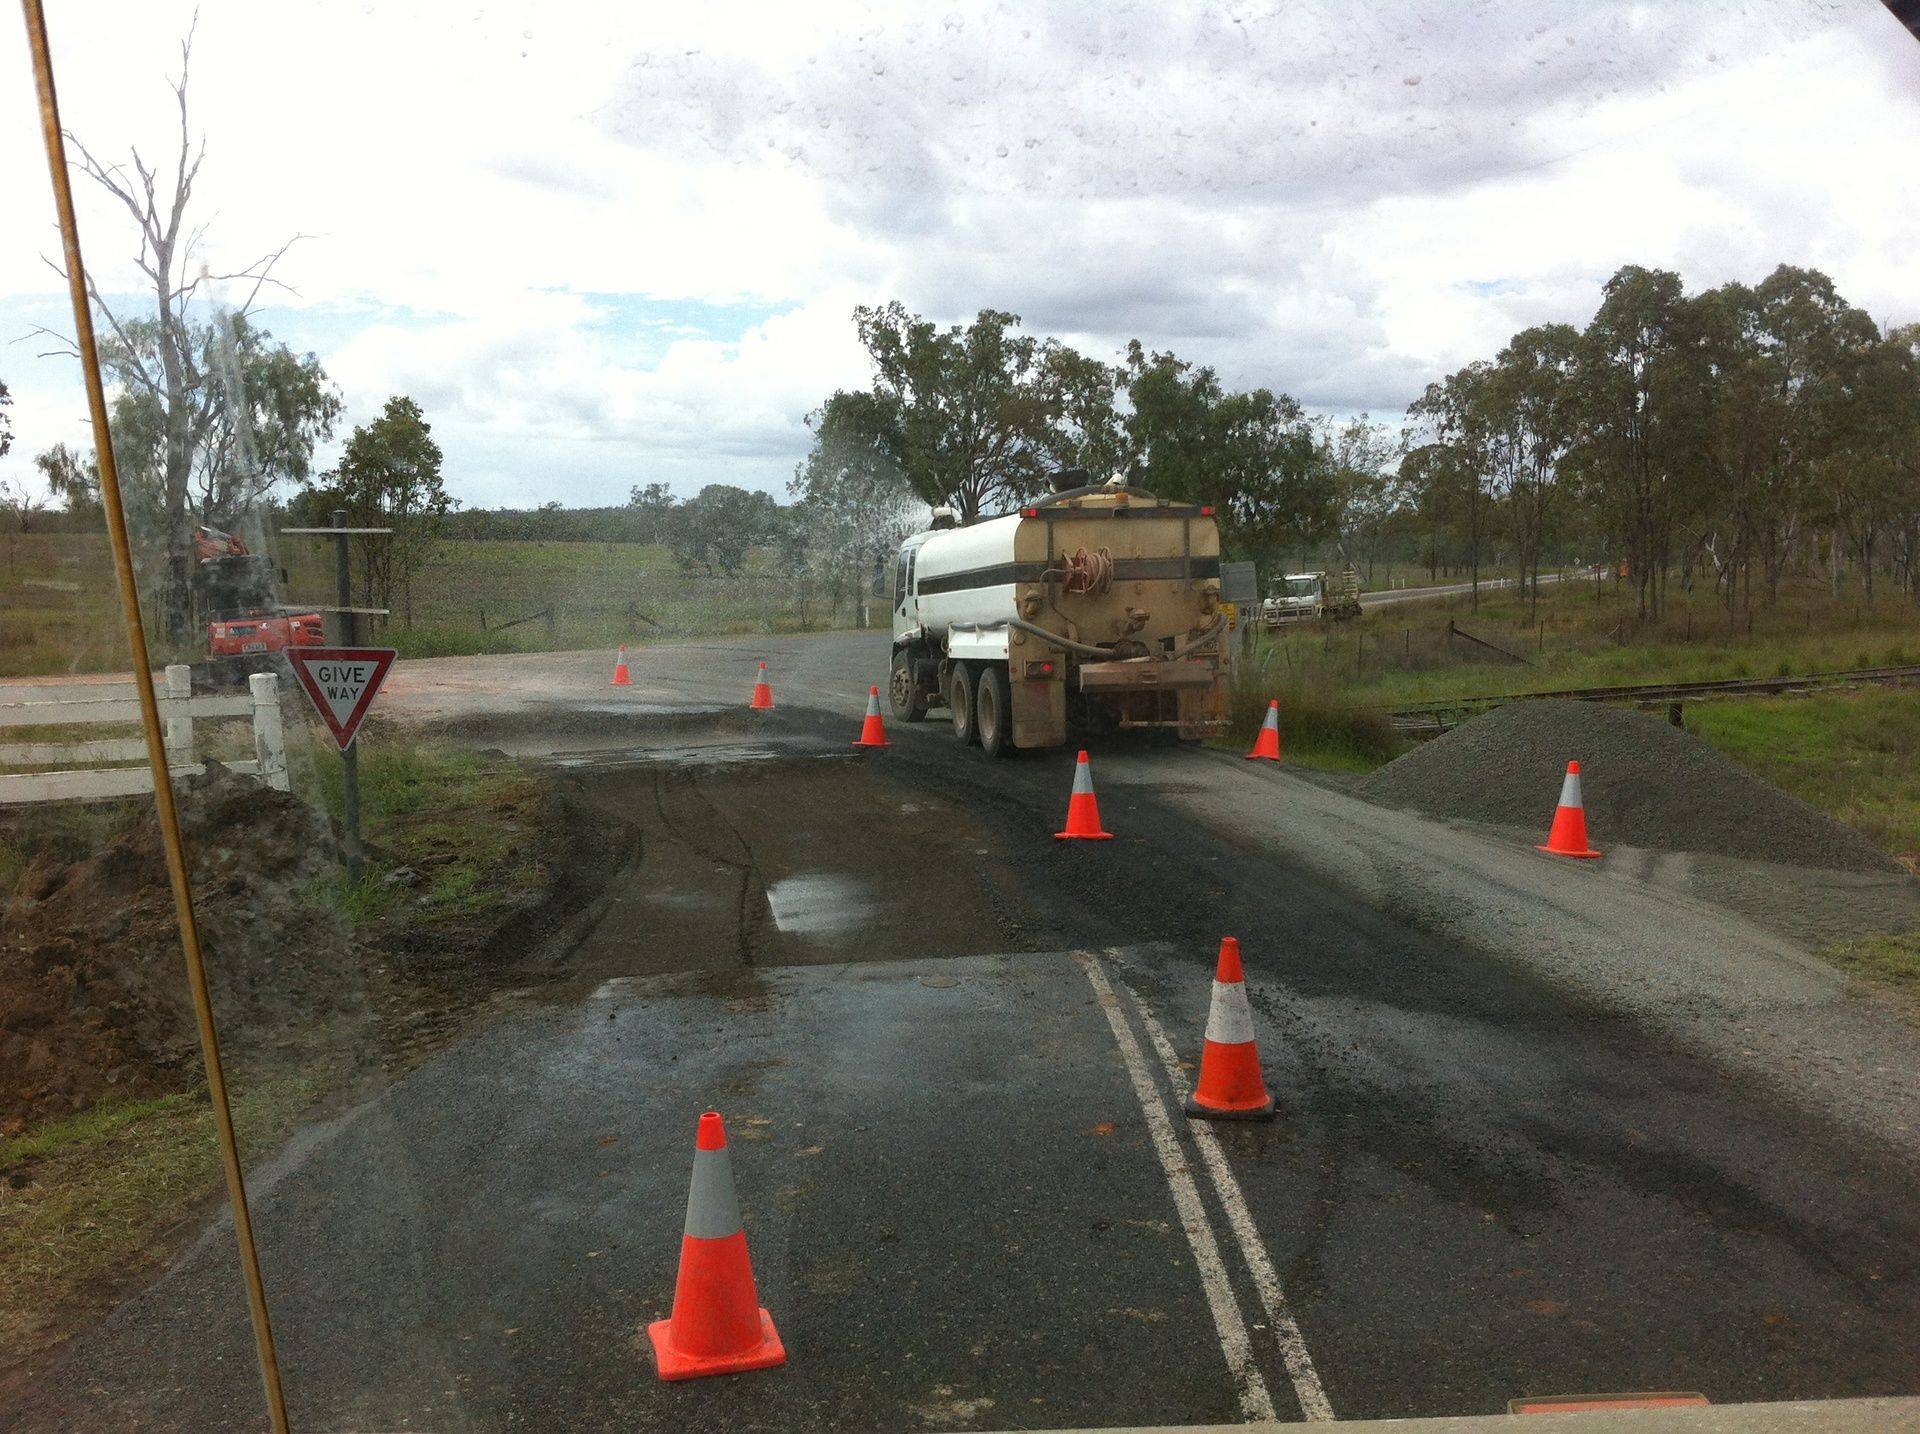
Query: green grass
point(1852, 754)
point(1401, 655)
point(60, 606)
point(1855, 755)
point(101, 1191)
point(462, 821)
point(1319, 728)
point(1889, 962)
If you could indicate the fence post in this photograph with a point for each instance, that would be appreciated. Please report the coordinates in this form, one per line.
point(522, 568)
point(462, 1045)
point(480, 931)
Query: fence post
point(269, 737)
point(179, 715)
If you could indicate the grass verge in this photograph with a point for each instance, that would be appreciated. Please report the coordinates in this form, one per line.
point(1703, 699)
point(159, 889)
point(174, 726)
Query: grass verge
point(92, 1203)
point(1319, 728)
point(1891, 963)
point(1851, 754)
point(88, 1204)
point(451, 835)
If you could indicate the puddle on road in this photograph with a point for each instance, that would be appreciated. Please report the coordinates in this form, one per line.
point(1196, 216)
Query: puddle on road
point(647, 709)
point(819, 904)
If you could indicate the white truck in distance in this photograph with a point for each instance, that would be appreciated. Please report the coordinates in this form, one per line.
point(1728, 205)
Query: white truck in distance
point(1303, 595)
point(1097, 604)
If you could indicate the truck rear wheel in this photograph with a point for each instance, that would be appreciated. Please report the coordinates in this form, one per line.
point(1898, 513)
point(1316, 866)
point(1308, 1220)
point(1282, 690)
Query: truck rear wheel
point(993, 711)
point(960, 704)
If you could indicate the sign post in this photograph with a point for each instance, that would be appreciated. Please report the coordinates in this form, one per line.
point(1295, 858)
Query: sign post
point(347, 633)
point(1240, 591)
point(341, 683)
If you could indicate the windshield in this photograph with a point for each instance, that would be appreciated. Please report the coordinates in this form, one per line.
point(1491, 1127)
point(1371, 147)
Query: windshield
point(542, 887)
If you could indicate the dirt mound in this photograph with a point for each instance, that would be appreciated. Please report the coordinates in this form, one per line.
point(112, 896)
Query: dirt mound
point(1645, 782)
point(93, 992)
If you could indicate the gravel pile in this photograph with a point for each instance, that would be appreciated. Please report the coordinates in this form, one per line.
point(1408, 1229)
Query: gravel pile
point(1645, 784)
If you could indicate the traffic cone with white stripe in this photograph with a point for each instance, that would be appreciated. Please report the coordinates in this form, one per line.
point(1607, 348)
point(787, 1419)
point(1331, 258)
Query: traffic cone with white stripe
point(762, 694)
point(873, 732)
point(1083, 808)
point(717, 1325)
point(1569, 834)
point(621, 678)
point(1266, 747)
point(1230, 1086)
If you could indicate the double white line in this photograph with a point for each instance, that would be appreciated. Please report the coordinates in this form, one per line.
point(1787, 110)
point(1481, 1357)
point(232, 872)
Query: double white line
point(1235, 1343)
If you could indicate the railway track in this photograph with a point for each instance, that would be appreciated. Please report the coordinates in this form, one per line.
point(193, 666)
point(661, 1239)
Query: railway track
point(1435, 717)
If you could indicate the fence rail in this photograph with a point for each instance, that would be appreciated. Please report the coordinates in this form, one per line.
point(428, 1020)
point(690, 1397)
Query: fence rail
point(78, 704)
point(1438, 716)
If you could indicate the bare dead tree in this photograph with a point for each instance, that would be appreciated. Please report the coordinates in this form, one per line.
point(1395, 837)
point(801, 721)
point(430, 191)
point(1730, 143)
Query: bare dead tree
point(161, 359)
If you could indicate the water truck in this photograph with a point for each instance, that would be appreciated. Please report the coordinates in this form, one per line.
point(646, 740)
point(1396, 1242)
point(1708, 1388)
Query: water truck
point(1096, 607)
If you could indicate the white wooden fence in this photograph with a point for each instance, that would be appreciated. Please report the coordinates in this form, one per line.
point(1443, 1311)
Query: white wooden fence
point(81, 703)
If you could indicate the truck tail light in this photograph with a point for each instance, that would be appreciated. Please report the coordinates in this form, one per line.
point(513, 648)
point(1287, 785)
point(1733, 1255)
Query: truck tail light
point(1029, 512)
point(1206, 510)
point(1039, 671)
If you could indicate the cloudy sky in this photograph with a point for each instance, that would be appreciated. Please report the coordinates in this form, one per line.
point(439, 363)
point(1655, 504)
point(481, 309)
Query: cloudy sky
point(605, 245)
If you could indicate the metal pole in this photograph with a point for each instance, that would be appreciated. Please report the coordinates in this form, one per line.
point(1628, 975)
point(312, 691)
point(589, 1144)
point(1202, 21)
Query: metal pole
point(349, 759)
point(168, 815)
point(343, 580)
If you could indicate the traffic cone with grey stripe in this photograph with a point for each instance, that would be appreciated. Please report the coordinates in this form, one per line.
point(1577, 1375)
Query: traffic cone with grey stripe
point(1266, 747)
point(1083, 808)
point(1569, 834)
point(717, 1325)
point(873, 732)
point(621, 677)
point(762, 693)
point(1231, 1086)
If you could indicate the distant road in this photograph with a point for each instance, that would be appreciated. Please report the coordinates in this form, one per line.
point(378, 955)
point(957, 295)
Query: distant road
point(1387, 595)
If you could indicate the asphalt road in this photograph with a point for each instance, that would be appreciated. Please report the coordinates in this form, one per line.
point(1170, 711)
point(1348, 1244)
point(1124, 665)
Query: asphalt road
point(1541, 1131)
point(1382, 596)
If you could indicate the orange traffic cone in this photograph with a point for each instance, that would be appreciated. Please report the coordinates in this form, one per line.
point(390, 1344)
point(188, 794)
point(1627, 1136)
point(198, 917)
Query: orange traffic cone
point(873, 732)
point(1083, 808)
point(717, 1326)
point(1569, 834)
point(1231, 1086)
point(620, 675)
point(762, 694)
point(1267, 745)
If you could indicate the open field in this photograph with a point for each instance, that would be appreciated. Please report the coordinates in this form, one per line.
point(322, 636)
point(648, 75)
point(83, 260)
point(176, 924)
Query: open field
point(565, 596)
point(59, 612)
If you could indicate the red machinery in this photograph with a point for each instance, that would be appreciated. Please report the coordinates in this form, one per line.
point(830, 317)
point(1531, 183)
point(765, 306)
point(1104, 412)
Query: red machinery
point(233, 589)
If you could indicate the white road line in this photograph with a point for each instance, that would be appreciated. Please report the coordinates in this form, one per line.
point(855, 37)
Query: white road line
point(1255, 1401)
point(1286, 1330)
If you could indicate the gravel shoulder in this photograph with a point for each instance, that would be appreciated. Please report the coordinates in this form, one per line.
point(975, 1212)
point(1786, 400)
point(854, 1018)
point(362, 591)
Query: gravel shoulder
point(1631, 933)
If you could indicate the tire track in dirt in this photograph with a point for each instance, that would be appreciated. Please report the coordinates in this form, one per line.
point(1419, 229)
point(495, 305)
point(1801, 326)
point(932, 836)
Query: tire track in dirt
point(750, 901)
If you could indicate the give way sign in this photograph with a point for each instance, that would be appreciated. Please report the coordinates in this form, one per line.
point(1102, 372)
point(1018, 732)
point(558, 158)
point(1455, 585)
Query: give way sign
point(340, 682)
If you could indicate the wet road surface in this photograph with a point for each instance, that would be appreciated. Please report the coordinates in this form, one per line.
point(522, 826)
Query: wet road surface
point(950, 1050)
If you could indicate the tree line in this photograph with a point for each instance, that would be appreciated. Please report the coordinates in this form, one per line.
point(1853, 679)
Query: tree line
point(1725, 438)
point(976, 417)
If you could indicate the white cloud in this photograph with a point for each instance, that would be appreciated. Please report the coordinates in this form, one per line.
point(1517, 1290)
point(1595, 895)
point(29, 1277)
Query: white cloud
point(1338, 201)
